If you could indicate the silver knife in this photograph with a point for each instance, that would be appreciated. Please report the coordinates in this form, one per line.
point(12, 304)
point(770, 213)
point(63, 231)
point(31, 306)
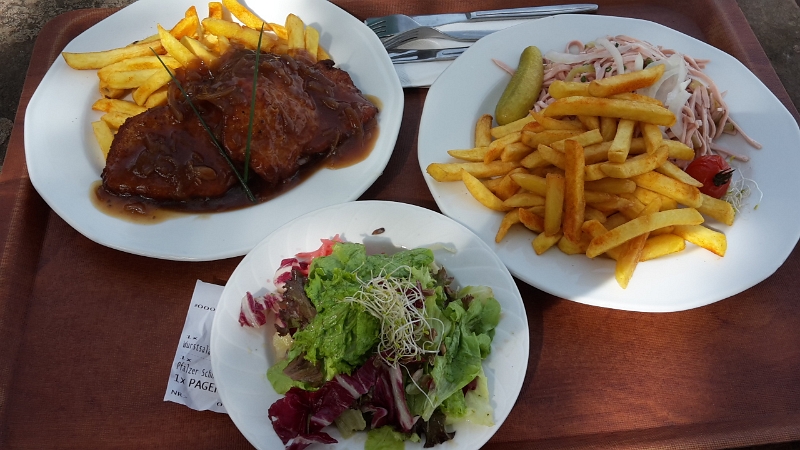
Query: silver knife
point(435, 54)
point(434, 20)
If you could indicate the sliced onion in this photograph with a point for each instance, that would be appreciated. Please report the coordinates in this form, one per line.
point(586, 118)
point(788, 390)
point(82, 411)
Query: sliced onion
point(567, 58)
point(675, 102)
point(614, 52)
point(638, 62)
point(579, 70)
point(674, 74)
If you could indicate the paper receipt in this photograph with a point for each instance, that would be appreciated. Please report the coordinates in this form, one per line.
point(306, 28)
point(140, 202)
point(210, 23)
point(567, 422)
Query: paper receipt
point(191, 381)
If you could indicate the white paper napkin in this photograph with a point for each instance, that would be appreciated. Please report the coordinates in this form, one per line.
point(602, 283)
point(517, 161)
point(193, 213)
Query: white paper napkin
point(423, 74)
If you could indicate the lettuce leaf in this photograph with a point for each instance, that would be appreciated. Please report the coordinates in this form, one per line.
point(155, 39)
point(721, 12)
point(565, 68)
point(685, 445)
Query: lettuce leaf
point(474, 406)
point(384, 438)
point(342, 337)
point(475, 315)
point(342, 334)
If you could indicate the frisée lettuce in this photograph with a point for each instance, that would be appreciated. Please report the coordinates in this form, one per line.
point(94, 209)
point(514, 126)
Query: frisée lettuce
point(389, 346)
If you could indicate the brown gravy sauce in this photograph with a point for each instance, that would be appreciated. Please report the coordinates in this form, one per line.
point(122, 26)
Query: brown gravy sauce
point(145, 211)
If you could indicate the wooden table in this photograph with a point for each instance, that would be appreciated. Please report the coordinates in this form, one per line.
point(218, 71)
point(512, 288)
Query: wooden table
point(87, 334)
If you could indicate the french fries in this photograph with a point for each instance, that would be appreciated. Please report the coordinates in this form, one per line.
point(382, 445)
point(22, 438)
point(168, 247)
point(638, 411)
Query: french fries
point(592, 174)
point(574, 198)
point(627, 82)
point(610, 107)
point(134, 78)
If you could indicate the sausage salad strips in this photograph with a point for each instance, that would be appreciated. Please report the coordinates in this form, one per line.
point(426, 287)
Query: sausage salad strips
point(377, 343)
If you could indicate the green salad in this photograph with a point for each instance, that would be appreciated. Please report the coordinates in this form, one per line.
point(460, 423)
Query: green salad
point(377, 343)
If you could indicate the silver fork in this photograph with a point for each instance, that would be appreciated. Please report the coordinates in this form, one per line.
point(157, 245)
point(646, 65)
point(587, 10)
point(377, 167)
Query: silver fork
point(390, 25)
point(432, 33)
point(387, 26)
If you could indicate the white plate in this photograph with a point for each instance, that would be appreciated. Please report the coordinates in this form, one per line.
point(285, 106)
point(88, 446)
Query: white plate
point(241, 356)
point(64, 158)
point(759, 241)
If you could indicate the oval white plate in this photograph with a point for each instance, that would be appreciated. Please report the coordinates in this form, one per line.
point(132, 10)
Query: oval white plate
point(64, 158)
point(759, 241)
point(241, 356)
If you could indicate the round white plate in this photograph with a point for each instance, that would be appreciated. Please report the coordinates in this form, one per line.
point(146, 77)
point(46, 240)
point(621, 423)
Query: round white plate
point(759, 241)
point(241, 356)
point(64, 158)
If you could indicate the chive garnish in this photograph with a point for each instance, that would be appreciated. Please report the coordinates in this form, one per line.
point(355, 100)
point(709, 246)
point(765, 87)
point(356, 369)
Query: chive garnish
point(208, 130)
point(252, 108)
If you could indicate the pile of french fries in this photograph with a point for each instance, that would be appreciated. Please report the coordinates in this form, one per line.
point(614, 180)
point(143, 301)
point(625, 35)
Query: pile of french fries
point(591, 174)
point(132, 79)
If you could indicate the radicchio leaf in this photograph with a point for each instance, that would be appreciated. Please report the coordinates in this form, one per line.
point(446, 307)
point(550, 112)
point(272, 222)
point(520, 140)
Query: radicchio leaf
point(253, 312)
point(295, 309)
point(300, 415)
point(388, 403)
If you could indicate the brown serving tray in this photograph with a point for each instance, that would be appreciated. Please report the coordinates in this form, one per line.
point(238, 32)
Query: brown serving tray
point(87, 333)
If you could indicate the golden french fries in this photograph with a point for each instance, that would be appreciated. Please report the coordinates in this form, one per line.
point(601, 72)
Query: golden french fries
point(631, 251)
point(717, 209)
point(542, 242)
point(671, 170)
point(610, 107)
point(592, 174)
point(98, 60)
point(641, 225)
point(621, 145)
point(175, 49)
point(252, 21)
point(496, 147)
point(626, 82)
point(481, 192)
point(636, 165)
point(103, 134)
point(562, 89)
point(215, 10)
point(670, 187)
point(553, 203)
point(611, 186)
point(199, 50)
point(114, 119)
point(574, 199)
point(585, 139)
point(158, 80)
point(547, 137)
point(548, 123)
point(533, 183)
point(501, 130)
point(483, 131)
point(524, 199)
point(711, 240)
point(137, 63)
point(661, 245)
point(114, 105)
point(143, 70)
point(552, 156)
point(532, 220)
point(511, 218)
point(515, 152)
point(157, 98)
point(469, 154)
point(452, 171)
